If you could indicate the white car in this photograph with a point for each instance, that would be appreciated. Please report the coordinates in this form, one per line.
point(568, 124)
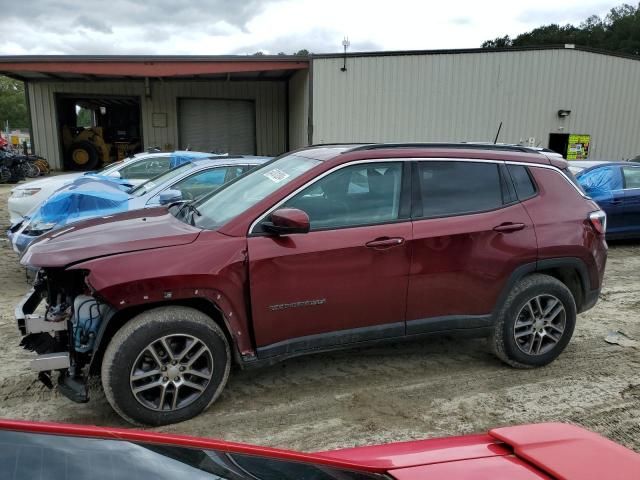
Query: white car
point(136, 170)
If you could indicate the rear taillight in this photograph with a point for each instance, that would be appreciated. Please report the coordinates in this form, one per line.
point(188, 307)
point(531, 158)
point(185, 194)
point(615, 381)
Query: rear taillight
point(599, 221)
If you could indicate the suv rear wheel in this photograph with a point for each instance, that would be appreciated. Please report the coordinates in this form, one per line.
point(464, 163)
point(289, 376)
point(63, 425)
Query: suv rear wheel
point(166, 365)
point(535, 323)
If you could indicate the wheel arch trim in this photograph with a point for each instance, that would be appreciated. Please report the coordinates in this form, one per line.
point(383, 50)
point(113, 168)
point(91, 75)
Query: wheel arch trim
point(540, 266)
point(206, 301)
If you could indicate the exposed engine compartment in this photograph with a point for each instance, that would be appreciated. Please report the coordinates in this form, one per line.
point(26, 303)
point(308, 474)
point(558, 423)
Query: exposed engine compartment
point(65, 335)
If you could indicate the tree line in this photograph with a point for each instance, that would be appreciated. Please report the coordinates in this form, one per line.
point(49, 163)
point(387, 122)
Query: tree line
point(618, 31)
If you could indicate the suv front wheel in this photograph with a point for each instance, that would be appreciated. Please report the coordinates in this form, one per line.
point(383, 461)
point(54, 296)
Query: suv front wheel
point(535, 323)
point(166, 365)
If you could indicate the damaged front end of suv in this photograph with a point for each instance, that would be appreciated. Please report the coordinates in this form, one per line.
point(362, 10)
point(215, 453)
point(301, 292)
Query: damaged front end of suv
point(63, 318)
point(60, 321)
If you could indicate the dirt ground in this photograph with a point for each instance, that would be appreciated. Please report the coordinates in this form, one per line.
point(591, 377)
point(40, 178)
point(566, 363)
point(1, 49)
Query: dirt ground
point(381, 394)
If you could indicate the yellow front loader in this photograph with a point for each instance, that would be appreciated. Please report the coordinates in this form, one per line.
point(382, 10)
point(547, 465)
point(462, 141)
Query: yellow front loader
point(86, 149)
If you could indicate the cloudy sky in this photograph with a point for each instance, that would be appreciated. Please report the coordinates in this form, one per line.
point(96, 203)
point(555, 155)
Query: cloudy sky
point(214, 27)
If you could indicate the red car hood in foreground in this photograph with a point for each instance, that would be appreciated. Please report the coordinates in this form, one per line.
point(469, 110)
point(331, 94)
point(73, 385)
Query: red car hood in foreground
point(124, 232)
point(532, 452)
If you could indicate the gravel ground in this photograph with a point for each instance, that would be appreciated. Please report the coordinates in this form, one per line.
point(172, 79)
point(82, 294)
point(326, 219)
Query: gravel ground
point(397, 392)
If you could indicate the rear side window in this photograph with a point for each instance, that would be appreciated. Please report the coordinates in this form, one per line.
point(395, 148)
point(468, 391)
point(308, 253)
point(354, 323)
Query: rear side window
point(522, 181)
point(570, 173)
point(457, 188)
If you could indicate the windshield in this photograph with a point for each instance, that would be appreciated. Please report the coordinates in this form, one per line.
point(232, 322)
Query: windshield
point(28, 456)
point(161, 179)
point(107, 169)
point(236, 197)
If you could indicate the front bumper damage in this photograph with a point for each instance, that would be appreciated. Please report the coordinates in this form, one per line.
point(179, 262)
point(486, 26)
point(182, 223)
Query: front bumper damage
point(51, 341)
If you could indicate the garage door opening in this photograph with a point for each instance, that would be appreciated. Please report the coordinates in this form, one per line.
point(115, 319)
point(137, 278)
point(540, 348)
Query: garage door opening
point(97, 130)
point(218, 126)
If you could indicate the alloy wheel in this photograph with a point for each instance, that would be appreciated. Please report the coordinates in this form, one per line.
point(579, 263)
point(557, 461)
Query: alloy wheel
point(171, 372)
point(540, 325)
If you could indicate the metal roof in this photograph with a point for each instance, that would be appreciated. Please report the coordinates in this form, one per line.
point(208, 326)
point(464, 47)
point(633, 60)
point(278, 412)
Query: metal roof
point(392, 53)
point(118, 67)
point(214, 67)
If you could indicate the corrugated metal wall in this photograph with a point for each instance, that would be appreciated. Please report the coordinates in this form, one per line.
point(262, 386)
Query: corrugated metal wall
point(463, 97)
point(270, 100)
point(299, 109)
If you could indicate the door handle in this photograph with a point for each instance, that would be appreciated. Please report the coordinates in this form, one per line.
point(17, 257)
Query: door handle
point(385, 242)
point(616, 201)
point(509, 227)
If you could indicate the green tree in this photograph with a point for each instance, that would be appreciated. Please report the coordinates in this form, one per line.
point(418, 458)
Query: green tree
point(619, 31)
point(13, 107)
point(500, 42)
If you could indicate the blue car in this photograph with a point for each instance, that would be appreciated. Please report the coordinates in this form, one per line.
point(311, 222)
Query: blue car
point(615, 186)
point(92, 197)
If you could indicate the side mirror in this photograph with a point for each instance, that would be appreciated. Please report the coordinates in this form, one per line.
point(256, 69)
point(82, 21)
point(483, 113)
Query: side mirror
point(170, 196)
point(285, 221)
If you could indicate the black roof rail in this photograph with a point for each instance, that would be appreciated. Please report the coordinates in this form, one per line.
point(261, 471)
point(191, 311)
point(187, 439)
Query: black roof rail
point(465, 146)
point(340, 144)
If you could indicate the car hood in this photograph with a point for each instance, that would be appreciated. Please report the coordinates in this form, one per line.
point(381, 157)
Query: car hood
point(85, 198)
point(109, 235)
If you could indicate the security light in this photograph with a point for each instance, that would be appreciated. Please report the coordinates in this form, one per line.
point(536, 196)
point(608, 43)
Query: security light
point(564, 113)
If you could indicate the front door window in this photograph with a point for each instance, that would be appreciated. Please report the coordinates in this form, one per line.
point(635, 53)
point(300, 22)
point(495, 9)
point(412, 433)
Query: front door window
point(364, 194)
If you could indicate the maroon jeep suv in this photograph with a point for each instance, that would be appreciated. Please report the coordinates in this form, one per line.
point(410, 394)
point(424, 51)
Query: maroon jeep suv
point(326, 247)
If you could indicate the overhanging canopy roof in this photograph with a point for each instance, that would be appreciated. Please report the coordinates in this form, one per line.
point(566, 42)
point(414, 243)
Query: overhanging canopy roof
point(64, 67)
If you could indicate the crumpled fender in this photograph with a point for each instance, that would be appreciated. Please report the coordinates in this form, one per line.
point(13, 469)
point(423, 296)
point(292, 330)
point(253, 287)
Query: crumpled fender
point(212, 268)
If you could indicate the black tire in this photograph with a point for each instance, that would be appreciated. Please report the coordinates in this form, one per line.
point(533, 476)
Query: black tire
point(127, 348)
point(5, 174)
point(83, 155)
point(511, 350)
point(30, 170)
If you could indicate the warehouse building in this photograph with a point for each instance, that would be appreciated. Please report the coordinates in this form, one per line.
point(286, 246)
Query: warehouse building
point(578, 101)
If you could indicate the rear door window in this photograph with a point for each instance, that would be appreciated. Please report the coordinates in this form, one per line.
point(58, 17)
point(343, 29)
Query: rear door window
point(456, 188)
point(631, 177)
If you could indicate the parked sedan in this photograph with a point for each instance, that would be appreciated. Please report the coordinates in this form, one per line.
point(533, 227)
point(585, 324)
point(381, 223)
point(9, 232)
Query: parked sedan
point(94, 197)
point(54, 451)
point(134, 170)
point(615, 186)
